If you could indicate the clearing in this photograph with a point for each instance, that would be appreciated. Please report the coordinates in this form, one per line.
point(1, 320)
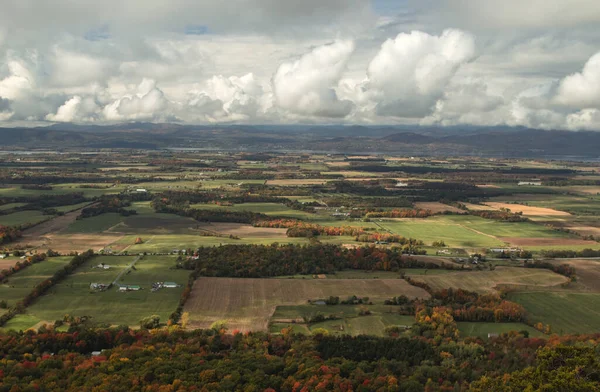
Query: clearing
point(247, 304)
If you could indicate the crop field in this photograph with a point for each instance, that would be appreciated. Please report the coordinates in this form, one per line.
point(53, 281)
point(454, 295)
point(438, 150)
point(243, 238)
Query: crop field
point(95, 224)
point(566, 313)
point(17, 286)
point(73, 296)
point(587, 272)
point(527, 210)
point(296, 182)
point(436, 207)
point(485, 281)
point(247, 304)
point(576, 205)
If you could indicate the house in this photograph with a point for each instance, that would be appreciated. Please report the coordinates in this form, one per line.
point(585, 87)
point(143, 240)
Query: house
point(103, 266)
point(141, 190)
point(2, 257)
point(98, 286)
point(401, 184)
point(170, 284)
point(492, 335)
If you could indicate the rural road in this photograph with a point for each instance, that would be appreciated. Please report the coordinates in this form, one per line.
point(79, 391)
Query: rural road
point(126, 269)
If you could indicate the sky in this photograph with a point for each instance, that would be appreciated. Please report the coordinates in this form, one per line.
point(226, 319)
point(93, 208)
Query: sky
point(533, 63)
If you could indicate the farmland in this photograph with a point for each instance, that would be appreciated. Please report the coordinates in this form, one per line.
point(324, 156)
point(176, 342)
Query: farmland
point(247, 304)
point(73, 296)
point(169, 205)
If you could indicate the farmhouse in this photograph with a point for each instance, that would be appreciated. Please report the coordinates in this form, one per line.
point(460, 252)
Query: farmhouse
point(103, 266)
point(98, 286)
point(532, 183)
point(129, 287)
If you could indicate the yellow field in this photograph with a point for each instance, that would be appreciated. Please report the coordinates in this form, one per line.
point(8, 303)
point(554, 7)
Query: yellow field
point(528, 210)
point(248, 304)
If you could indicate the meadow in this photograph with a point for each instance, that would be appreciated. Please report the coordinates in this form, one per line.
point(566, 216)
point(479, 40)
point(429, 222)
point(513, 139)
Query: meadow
point(566, 313)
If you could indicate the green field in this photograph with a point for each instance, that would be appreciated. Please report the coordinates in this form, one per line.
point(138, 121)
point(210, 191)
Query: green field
point(565, 312)
point(10, 206)
point(73, 295)
point(72, 207)
point(23, 218)
point(95, 224)
point(454, 233)
point(17, 286)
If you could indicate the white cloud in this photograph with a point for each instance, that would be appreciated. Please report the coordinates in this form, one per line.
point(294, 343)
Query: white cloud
point(409, 73)
point(19, 81)
point(582, 89)
point(147, 103)
point(307, 86)
point(67, 112)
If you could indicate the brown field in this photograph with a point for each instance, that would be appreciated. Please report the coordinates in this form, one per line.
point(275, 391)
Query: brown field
point(436, 207)
point(485, 281)
point(479, 207)
point(6, 264)
point(242, 230)
point(587, 272)
point(65, 243)
point(528, 210)
point(337, 164)
point(248, 304)
point(293, 182)
point(585, 230)
point(587, 190)
point(517, 241)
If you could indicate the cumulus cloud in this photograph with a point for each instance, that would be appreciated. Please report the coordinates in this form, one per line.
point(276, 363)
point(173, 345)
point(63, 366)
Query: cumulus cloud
point(582, 89)
point(67, 112)
point(409, 73)
point(19, 80)
point(227, 98)
point(307, 86)
point(147, 103)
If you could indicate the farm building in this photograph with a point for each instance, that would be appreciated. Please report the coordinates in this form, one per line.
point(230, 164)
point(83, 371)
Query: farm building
point(2, 257)
point(141, 190)
point(103, 266)
point(532, 183)
point(170, 284)
point(98, 286)
point(129, 287)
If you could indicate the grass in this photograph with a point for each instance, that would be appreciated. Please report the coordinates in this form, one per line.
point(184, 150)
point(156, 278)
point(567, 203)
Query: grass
point(23, 218)
point(72, 207)
point(453, 233)
point(17, 286)
point(566, 313)
point(95, 224)
point(485, 281)
point(73, 295)
point(10, 206)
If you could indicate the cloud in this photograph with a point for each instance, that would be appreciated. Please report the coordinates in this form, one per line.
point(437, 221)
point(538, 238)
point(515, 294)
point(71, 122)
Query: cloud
point(227, 98)
point(307, 86)
point(147, 103)
point(18, 82)
point(582, 89)
point(511, 14)
point(67, 112)
point(409, 73)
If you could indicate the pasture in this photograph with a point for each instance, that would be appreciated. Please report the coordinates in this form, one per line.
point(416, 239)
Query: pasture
point(73, 295)
point(17, 286)
point(486, 281)
point(483, 329)
point(566, 313)
point(247, 304)
point(273, 209)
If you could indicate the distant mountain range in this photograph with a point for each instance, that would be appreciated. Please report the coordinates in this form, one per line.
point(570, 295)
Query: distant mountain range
point(413, 140)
